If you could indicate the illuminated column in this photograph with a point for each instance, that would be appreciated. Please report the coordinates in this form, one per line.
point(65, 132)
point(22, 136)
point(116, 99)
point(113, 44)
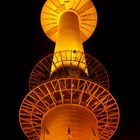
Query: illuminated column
point(68, 39)
point(69, 33)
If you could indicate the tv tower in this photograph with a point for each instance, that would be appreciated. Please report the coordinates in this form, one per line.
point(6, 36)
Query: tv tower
point(69, 97)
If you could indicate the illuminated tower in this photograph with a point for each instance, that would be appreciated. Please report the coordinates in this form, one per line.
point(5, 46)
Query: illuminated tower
point(69, 96)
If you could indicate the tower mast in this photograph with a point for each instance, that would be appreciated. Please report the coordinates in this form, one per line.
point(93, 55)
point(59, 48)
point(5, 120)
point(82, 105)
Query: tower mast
point(69, 97)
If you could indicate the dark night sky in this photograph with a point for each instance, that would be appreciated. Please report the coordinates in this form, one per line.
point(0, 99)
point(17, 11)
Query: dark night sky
point(107, 44)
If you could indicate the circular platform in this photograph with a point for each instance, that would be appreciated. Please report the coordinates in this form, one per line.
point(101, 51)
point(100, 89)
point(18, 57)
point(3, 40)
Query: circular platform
point(84, 9)
point(42, 70)
point(82, 92)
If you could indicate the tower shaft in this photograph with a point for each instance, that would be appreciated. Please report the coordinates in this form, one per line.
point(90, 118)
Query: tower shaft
point(69, 33)
point(68, 39)
point(69, 122)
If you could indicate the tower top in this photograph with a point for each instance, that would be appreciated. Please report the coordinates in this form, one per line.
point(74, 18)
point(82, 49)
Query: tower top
point(53, 9)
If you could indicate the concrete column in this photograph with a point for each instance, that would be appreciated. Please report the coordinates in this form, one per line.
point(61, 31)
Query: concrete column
point(69, 122)
point(68, 39)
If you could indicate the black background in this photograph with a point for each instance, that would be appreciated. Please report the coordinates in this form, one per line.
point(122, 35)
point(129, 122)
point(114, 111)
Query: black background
point(113, 43)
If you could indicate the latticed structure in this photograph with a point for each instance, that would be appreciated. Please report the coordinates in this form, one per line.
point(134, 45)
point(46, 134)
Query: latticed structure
point(69, 97)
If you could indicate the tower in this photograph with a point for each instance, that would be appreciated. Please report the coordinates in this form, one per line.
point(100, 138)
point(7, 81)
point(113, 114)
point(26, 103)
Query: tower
point(69, 97)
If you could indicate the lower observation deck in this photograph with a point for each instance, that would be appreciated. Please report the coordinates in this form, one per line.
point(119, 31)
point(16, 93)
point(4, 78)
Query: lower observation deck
point(42, 70)
point(73, 91)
